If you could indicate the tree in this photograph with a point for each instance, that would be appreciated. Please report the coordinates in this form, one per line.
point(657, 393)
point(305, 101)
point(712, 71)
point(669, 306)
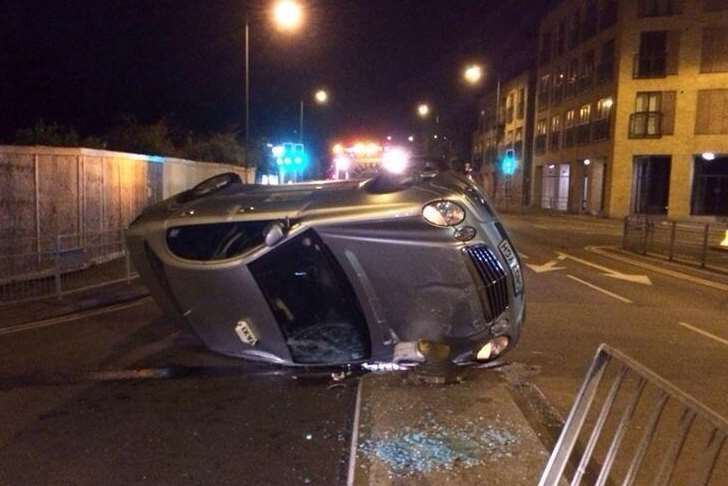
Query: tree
point(52, 134)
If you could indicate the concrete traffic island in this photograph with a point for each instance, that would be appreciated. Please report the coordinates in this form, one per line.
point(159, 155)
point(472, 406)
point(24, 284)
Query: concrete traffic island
point(467, 433)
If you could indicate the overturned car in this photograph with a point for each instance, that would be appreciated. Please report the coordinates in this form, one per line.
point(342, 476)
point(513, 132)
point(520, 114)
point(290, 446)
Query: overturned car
point(337, 272)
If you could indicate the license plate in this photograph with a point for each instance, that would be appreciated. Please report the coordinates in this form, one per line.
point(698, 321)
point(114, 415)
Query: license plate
point(510, 256)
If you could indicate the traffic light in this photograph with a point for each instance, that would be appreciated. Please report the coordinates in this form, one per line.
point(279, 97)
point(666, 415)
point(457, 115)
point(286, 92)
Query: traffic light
point(290, 156)
point(509, 164)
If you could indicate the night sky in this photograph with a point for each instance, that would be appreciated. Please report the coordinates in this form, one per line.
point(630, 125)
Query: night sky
point(87, 63)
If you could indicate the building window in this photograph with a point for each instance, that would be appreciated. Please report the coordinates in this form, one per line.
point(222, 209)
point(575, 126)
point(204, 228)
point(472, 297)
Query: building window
point(591, 20)
point(518, 143)
point(555, 133)
point(569, 128)
point(602, 119)
point(541, 132)
point(521, 104)
point(543, 92)
point(586, 78)
point(714, 5)
point(651, 184)
point(546, 44)
point(659, 54)
point(659, 8)
point(712, 112)
point(572, 77)
point(509, 108)
point(710, 187)
point(714, 58)
point(608, 15)
point(557, 93)
point(574, 29)
point(605, 70)
point(561, 39)
point(583, 129)
point(654, 115)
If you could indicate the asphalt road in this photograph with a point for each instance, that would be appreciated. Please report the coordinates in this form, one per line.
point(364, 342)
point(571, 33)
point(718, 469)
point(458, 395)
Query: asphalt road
point(189, 417)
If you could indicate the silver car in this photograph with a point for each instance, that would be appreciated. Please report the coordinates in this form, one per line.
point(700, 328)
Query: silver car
point(337, 272)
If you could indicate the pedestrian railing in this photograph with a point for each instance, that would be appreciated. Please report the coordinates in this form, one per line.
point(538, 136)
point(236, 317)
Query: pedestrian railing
point(702, 244)
point(657, 433)
point(33, 268)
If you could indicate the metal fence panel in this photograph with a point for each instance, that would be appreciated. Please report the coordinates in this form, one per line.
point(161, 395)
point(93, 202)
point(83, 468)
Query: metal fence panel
point(646, 431)
point(701, 244)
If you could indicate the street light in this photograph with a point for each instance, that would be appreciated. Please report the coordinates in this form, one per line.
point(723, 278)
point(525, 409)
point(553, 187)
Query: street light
point(321, 97)
point(473, 74)
point(287, 15)
point(423, 110)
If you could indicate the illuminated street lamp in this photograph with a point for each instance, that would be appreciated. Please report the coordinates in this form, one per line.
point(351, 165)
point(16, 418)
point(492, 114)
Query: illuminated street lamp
point(287, 15)
point(423, 110)
point(321, 97)
point(473, 74)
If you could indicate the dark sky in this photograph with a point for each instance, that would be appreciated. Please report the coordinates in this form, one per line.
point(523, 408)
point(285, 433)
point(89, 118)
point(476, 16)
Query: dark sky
point(85, 63)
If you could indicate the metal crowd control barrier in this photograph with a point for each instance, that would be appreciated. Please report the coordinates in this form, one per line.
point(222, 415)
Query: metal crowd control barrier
point(32, 269)
point(688, 409)
point(702, 244)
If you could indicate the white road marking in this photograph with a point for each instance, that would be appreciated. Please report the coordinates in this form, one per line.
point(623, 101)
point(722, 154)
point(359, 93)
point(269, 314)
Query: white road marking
point(704, 333)
point(599, 289)
point(546, 267)
point(354, 436)
point(639, 279)
point(524, 256)
point(654, 268)
point(71, 317)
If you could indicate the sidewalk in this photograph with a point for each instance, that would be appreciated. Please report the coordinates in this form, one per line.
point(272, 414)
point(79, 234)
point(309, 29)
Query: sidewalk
point(465, 434)
point(15, 314)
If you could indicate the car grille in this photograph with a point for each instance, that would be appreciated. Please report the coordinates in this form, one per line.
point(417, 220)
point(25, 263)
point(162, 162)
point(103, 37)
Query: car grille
point(494, 279)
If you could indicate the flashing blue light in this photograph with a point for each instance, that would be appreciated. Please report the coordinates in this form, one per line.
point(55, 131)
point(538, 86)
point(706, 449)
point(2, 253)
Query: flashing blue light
point(298, 160)
point(279, 161)
point(287, 160)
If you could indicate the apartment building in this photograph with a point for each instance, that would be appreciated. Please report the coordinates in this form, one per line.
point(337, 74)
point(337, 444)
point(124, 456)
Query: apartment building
point(502, 152)
point(632, 108)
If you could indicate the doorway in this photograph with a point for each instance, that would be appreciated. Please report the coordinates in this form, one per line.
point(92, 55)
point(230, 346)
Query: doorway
point(651, 189)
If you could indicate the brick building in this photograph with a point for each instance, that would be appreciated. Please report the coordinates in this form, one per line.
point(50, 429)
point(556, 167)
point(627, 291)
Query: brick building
point(632, 108)
point(505, 131)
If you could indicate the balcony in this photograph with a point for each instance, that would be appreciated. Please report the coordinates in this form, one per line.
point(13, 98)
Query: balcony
point(646, 124)
point(650, 66)
point(605, 72)
point(543, 100)
point(540, 144)
point(600, 130)
point(555, 141)
point(583, 134)
point(569, 137)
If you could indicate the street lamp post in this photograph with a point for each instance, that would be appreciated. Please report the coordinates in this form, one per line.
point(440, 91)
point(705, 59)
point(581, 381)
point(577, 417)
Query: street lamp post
point(321, 97)
point(287, 17)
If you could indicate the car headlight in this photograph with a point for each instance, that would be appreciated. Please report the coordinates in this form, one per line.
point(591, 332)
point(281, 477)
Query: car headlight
point(443, 213)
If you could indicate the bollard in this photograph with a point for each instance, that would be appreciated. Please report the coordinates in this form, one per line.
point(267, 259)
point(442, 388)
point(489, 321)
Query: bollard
point(624, 233)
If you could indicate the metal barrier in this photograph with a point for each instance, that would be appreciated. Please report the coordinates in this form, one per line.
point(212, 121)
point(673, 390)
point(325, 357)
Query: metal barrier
point(33, 269)
point(656, 446)
point(700, 244)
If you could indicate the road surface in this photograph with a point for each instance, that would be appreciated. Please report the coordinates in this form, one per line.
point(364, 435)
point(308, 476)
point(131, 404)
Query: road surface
point(121, 397)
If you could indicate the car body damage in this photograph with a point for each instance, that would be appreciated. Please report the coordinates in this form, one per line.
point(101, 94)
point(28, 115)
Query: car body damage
point(335, 273)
